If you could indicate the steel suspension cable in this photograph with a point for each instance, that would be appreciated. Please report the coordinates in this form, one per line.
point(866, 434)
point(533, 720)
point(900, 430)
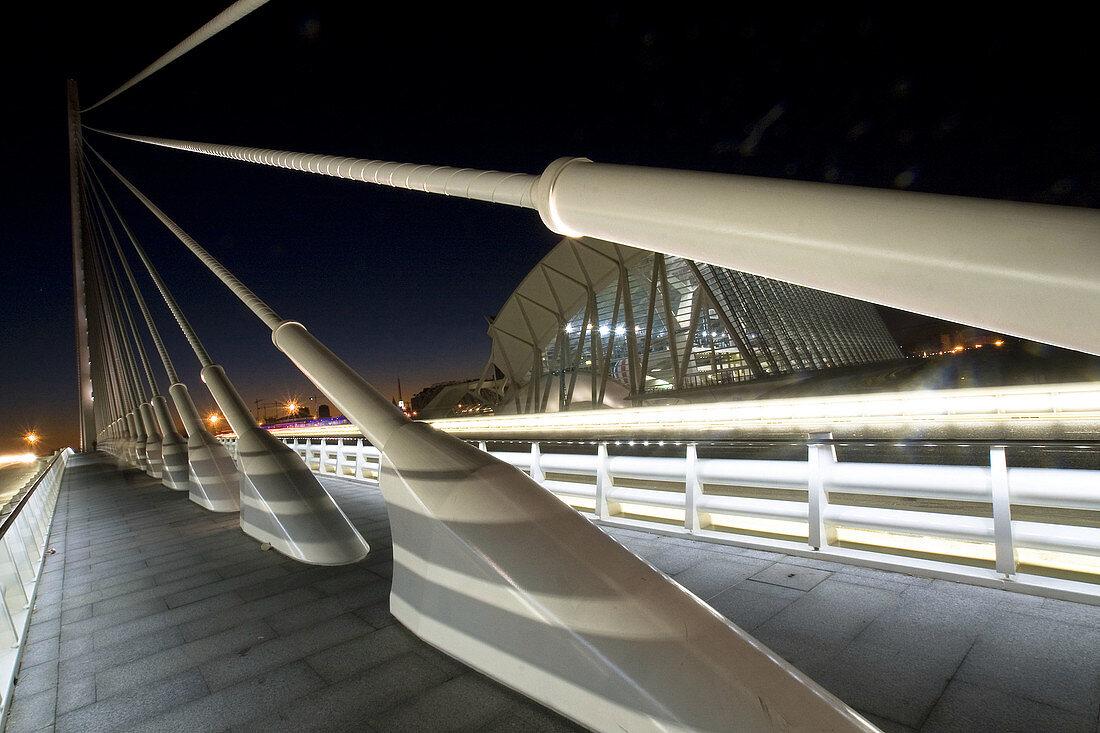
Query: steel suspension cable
point(97, 189)
point(173, 306)
point(250, 299)
point(116, 282)
point(137, 387)
point(105, 365)
point(218, 23)
point(112, 357)
point(513, 189)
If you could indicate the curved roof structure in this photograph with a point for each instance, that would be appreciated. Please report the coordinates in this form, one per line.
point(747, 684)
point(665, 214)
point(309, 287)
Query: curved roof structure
point(602, 323)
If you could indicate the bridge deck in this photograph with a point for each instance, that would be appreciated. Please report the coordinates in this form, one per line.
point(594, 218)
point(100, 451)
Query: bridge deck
point(157, 615)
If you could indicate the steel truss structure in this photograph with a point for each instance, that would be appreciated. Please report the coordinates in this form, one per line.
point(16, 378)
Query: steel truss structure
point(598, 323)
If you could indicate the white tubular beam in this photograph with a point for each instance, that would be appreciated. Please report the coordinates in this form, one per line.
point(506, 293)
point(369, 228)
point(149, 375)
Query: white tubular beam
point(153, 456)
point(220, 22)
point(173, 448)
point(513, 189)
point(497, 572)
point(1028, 270)
point(1023, 269)
point(281, 502)
point(137, 432)
point(213, 478)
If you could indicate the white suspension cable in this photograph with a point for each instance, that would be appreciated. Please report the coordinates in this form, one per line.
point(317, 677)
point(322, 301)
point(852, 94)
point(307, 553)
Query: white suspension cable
point(512, 189)
point(116, 283)
point(220, 22)
point(169, 368)
point(170, 301)
point(250, 299)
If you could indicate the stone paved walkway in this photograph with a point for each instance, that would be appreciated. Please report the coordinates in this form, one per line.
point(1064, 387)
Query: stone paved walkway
point(157, 615)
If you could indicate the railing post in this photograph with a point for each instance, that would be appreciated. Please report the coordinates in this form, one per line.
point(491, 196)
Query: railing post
point(603, 481)
point(693, 490)
point(536, 464)
point(9, 627)
point(14, 593)
point(357, 472)
point(22, 560)
point(1002, 512)
point(821, 456)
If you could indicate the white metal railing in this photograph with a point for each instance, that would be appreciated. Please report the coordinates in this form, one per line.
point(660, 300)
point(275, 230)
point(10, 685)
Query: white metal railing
point(24, 534)
point(736, 501)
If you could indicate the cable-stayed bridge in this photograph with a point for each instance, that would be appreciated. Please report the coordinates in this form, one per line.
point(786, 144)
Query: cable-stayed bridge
point(489, 565)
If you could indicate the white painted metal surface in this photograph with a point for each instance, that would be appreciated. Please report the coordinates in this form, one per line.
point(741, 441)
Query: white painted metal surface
point(496, 571)
point(173, 448)
point(213, 479)
point(281, 501)
point(1028, 270)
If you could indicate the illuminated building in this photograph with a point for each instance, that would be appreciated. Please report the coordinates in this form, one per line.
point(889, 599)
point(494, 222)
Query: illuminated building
point(596, 323)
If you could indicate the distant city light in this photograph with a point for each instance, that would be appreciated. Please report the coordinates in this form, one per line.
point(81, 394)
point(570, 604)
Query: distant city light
point(31, 438)
point(292, 407)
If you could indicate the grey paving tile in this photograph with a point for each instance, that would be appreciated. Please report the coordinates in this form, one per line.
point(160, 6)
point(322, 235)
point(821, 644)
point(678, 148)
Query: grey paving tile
point(255, 696)
point(43, 612)
point(198, 716)
point(31, 680)
point(45, 628)
point(749, 609)
point(468, 702)
point(236, 641)
point(240, 612)
point(75, 693)
point(1070, 613)
point(31, 713)
point(343, 660)
point(72, 615)
point(140, 704)
point(347, 705)
point(530, 719)
point(214, 585)
point(232, 668)
point(886, 725)
point(786, 575)
point(714, 574)
point(37, 652)
point(817, 626)
point(971, 708)
point(1040, 659)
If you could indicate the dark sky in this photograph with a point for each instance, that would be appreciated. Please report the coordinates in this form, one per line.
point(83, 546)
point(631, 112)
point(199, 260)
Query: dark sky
point(397, 283)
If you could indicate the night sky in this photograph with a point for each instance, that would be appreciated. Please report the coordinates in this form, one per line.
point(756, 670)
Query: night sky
point(398, 283)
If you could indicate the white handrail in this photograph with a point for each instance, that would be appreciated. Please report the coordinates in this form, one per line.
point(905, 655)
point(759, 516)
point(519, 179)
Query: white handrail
point(573, 477)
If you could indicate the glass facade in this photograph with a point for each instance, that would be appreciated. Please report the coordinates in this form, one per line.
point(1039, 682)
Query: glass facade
point(664, 323)
point(693, 325)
